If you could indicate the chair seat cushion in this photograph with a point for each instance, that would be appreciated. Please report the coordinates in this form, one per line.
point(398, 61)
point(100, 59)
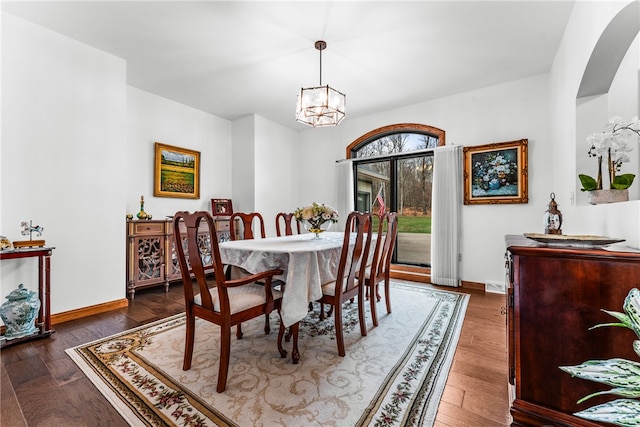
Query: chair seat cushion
point(330, 288)
point(240, 297)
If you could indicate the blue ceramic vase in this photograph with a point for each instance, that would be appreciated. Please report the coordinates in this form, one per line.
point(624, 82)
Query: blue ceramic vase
point(19, 313)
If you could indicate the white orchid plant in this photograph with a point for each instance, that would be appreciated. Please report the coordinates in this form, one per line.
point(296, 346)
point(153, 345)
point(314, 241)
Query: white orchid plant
point(316, 215)
point(613, 144)
point(623, 375)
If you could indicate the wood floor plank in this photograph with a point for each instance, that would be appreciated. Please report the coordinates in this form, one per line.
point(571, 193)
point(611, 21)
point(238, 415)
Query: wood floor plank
point(11, 414)
point(452, 416)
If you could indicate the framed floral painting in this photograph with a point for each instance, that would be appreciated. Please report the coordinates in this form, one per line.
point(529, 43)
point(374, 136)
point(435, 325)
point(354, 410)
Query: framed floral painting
point(177, 172)
point(496, 173)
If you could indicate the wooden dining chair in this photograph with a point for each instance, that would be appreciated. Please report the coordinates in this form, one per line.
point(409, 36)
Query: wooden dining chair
point(224, 302)
point(284, 224)
point(378, 270)
point(350, 275)
point(247, 220)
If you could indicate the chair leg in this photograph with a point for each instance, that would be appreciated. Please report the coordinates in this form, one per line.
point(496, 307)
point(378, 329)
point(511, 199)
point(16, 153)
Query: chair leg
point(361, 321)
point(378, 292)
point(225, 351)
point(374, 311)
point(337, 309)
point(188, 343)
point(267, 326)
point(386, 295)
point(239, 333)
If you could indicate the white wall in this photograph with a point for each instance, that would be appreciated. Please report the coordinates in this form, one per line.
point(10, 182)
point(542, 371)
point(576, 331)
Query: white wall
point(587, 22)
point(152, 119)
point(63, 157)
point(265, 159)
point(276, 171)
point(506, 112)
point(77, 153)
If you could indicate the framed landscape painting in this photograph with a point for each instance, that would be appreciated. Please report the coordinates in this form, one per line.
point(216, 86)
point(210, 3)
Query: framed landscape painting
point(177, 172)
point(496, 173)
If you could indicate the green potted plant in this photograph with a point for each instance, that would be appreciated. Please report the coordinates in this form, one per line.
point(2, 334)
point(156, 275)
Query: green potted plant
point(613, 144)
point(623, 375)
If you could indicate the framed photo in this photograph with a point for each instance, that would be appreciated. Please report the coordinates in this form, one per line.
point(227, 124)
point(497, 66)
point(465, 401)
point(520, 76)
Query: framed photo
point(221, 207)
point(496, 173)
point(177, 172)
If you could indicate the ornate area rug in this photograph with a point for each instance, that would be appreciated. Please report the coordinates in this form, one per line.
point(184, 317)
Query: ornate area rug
point(392, 377)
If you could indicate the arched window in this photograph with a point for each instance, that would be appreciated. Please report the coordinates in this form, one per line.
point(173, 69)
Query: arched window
point(393, 169)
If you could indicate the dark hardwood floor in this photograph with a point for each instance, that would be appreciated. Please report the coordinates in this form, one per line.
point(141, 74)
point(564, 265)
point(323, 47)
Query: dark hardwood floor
point(41, 386)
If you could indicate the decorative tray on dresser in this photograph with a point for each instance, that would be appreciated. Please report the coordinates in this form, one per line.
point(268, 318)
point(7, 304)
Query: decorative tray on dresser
point(584, 241)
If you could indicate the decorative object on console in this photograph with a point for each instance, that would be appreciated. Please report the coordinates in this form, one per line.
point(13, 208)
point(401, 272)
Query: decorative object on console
point(316, 218)
point(5, 244)
point(29, 228)
point(553, 217)
point(142, 214)
point(320, 105)
point(221, 207)
point(496, 173)
point(622, 374)
point(177, 172)
point(613, 144)
point(19, 313)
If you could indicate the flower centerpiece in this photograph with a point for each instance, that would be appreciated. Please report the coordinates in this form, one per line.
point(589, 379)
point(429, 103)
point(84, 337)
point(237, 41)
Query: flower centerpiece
point(316, 217)
point(613, 144)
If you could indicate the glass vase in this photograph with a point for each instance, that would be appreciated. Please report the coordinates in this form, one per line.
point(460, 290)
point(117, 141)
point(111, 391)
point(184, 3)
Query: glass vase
point(317, 228)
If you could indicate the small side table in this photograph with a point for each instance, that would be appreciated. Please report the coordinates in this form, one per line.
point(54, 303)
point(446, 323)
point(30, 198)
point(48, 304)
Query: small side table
point(44, 289)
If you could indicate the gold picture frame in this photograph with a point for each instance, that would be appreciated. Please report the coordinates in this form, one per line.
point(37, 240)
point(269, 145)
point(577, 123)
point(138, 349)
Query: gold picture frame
point(496, 173)
point(177, 172)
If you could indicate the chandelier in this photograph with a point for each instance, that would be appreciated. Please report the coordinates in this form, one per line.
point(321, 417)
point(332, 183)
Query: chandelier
point(321, 105)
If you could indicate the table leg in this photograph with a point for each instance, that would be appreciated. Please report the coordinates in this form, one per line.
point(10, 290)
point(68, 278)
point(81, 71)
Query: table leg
point(295, 354)
point(41, 317)
point(47, 293)
point(281, 350)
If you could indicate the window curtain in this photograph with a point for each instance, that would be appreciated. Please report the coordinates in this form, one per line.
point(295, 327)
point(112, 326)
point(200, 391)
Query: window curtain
point(345, 190)
point(445, 217)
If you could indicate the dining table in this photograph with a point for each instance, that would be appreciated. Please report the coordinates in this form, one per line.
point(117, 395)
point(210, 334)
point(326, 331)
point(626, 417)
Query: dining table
point(306, 263)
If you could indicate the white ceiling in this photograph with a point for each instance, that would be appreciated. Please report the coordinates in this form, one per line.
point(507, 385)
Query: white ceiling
point(235, 58)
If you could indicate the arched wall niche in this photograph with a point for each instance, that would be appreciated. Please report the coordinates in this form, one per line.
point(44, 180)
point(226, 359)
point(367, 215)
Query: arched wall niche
point(610, 87)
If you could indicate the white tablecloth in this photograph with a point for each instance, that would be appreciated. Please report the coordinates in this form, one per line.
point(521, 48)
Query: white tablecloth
point(307, 264)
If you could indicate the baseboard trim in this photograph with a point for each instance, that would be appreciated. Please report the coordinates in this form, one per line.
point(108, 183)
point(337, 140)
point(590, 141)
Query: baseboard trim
point(423, 275)
point(88, 311)
point(473, 285)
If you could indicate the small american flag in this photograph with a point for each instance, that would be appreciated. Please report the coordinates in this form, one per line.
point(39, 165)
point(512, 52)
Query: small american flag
point(380, 200)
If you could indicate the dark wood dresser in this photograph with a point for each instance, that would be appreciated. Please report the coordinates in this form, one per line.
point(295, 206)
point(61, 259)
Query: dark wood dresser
point(555, 295)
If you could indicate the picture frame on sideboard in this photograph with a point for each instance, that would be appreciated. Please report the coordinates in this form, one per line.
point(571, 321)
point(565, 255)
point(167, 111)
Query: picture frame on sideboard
point(221, 207)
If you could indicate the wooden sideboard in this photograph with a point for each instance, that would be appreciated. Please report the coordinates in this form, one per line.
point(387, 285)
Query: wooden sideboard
point(554, 296)
point(151, 257)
